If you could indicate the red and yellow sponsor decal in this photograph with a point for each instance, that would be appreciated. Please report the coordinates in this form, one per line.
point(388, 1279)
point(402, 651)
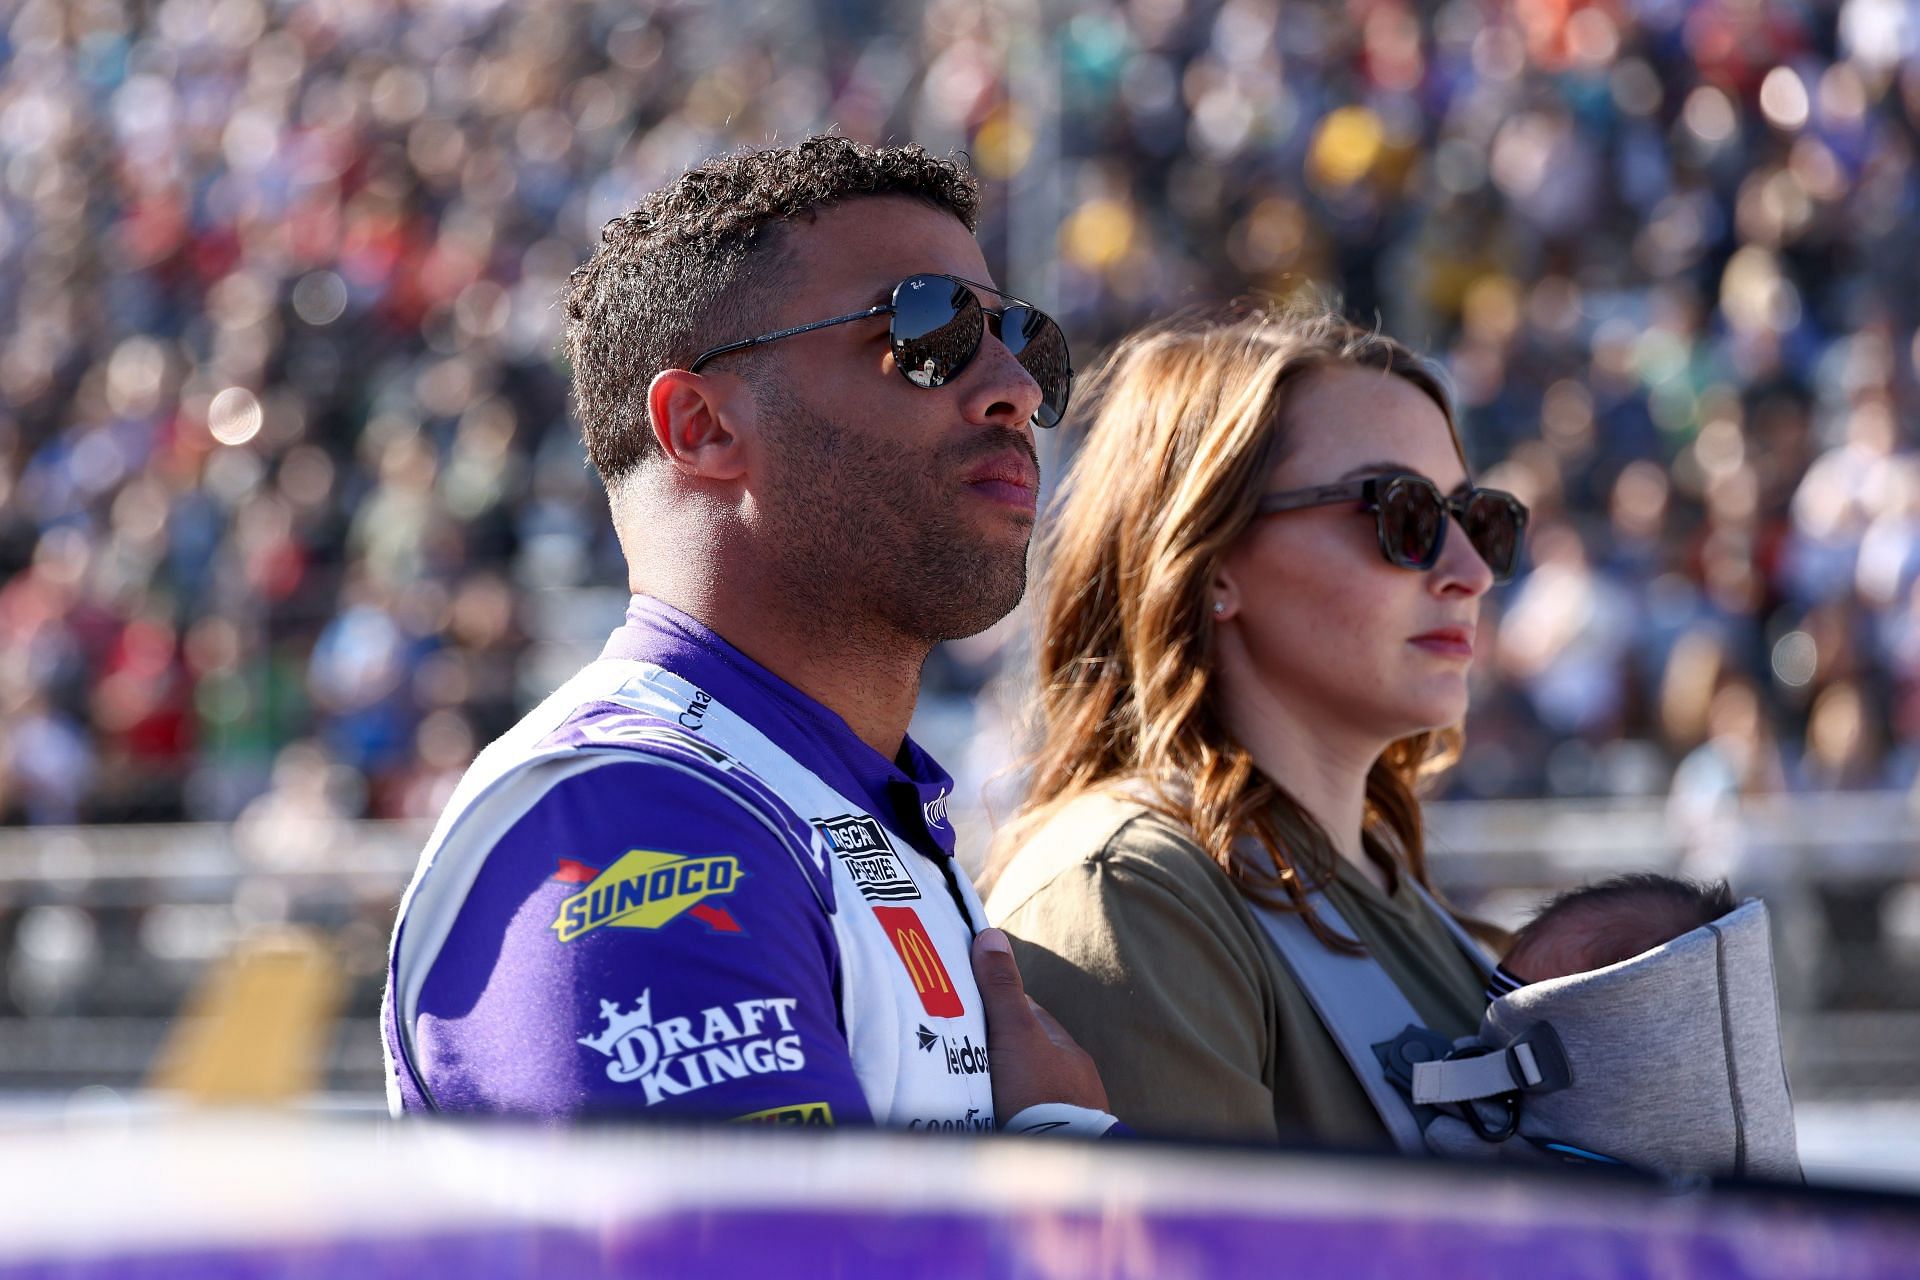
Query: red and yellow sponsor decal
point(647, 889)
point(938, 995)
point(798, 1113)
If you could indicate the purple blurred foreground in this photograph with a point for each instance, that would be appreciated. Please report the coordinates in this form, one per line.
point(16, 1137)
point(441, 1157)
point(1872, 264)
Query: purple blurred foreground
point(249, 1197)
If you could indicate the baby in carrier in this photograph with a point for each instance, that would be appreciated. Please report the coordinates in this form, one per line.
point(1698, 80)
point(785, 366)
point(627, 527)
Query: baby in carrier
point(1632, 1022)
point(1601, 924)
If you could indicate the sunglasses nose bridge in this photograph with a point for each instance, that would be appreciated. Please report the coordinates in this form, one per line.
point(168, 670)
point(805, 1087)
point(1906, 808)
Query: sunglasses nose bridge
point(1459, 509)
point(1008, 368)
point(997, 318)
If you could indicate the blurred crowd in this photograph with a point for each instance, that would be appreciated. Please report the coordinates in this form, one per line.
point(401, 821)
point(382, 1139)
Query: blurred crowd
point(293, 517)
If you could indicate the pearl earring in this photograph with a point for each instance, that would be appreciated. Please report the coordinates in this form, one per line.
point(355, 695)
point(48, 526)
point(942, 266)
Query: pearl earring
point(1219, 607)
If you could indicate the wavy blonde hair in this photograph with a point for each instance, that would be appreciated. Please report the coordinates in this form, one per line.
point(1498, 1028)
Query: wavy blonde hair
point(1188, 423)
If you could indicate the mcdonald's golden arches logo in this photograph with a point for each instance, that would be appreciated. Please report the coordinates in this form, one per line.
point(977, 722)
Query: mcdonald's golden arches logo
point(938, 995)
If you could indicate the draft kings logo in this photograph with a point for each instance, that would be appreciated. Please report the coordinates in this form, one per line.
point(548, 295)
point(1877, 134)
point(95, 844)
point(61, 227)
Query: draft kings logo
point(677, 1056)
point(647, 889)
point(938, 996)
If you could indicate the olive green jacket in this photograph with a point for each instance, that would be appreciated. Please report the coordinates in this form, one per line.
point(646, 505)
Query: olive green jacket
point(1143, 948)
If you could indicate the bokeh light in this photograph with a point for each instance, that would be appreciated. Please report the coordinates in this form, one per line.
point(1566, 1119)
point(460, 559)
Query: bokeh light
point(1783, 98)
point(234, 416)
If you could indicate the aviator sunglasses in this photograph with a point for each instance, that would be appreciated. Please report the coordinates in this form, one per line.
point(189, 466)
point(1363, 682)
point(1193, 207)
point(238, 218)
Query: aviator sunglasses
point(935, 326)
point(1410, 514)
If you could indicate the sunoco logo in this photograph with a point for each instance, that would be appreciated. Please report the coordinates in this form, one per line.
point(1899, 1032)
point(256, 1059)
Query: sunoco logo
point(684, 1055)
point(646, 889)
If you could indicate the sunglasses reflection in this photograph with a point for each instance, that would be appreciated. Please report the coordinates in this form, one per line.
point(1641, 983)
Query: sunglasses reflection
point(937, 333)
point(1413, 514)
point(941, 351)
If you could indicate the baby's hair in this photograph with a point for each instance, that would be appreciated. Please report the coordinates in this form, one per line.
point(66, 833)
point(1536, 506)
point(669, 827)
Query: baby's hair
point(1616, 919)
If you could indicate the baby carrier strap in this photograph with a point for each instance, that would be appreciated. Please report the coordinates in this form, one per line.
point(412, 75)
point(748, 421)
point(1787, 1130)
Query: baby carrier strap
point(1467, 943)
point(1359, 1005)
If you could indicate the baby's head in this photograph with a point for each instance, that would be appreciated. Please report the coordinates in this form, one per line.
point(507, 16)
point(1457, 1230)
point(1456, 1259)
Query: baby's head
point(1601, 924)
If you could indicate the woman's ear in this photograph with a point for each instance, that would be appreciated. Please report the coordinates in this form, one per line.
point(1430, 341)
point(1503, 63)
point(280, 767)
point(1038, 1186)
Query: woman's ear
point(1223, 594)
point(695, 423)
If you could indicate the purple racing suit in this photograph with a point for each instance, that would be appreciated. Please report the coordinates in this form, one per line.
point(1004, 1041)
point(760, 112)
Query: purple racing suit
point(682, 887)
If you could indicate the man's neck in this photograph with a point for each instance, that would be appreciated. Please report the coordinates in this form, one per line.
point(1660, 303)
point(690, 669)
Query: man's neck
point(870, 681)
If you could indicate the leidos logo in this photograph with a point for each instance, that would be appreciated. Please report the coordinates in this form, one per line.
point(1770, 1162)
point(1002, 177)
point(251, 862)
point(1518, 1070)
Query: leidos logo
point(860, 843)
point(909, 937)
point(969, 1059)
point(646, 889)
point(672, 1057)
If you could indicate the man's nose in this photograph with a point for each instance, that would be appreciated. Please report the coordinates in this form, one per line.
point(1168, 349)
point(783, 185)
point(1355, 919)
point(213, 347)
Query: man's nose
point(998, 388)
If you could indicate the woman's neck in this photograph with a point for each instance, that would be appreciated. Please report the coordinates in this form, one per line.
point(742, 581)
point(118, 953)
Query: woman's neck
point(1325, 772)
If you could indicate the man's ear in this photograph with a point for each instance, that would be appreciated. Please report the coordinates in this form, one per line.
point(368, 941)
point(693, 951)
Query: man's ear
point(693, 421)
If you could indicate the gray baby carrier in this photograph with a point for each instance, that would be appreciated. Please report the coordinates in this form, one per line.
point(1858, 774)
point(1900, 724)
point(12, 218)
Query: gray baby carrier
point(1668, 1062)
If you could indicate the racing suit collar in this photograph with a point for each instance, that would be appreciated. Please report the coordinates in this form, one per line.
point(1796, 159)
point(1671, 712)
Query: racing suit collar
point(912, 792)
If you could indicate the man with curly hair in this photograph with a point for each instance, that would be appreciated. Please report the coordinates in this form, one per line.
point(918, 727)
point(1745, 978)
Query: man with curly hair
point(711, 875)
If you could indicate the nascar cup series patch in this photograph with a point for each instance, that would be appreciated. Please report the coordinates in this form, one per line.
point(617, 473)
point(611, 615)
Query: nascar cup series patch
point(861, 843)
point(647, 889)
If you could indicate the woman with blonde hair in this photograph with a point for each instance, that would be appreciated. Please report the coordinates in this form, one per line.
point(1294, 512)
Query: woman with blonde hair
point(1257, 612)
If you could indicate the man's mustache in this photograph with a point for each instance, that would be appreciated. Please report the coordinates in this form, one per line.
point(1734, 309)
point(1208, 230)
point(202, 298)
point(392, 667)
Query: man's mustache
point(999, 440)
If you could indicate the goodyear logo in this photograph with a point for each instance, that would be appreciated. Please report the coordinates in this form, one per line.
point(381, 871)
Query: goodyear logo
point(646, 889)
point(798, 1113)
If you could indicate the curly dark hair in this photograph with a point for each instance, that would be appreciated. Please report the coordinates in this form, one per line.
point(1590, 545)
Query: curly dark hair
point(1616, 919)
point(693, 266)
